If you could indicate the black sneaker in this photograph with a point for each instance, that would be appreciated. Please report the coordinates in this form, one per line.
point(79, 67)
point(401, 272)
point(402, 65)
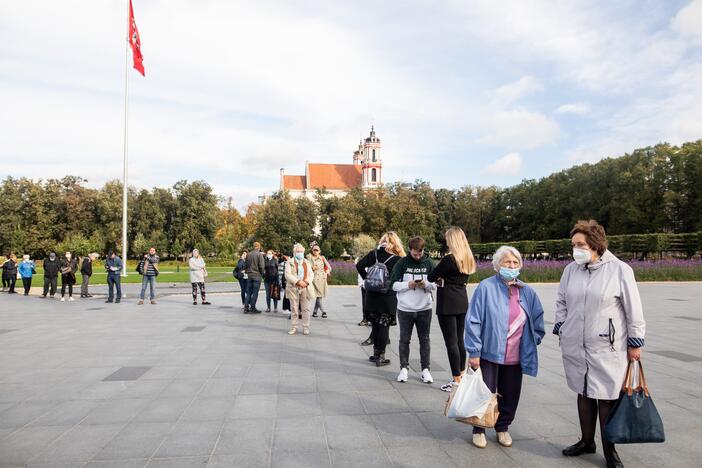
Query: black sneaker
point(206, 303)
point(324, 315)
point(109, 301)
point(194, 302)
point(254, 311)
point(314, 314)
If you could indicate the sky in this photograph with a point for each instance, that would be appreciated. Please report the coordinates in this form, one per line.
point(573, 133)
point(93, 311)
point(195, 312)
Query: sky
point(460, 92)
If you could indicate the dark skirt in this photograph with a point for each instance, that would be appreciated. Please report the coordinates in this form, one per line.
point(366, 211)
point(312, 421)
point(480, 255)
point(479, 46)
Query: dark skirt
point(381, 308)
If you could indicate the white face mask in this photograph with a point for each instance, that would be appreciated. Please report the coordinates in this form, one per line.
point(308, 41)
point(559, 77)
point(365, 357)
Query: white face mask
point(581, 256)
point(269, 256)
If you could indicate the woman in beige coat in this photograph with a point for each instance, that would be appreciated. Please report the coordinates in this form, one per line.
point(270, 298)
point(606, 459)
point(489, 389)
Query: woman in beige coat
point(298, 278)
point(322, 270)
point(600, 325)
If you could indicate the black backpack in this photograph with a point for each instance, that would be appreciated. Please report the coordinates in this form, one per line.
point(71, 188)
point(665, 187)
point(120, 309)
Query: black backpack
point(378, 276)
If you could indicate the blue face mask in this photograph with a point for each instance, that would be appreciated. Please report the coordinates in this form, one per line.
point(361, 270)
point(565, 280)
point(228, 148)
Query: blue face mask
point(299, 255)
point(509, 274)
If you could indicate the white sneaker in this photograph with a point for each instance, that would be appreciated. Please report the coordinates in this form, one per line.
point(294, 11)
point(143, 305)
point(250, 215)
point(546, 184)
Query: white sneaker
point(63, 299)
point(504, 439)
point(448, 385)
point(479, 440)
point(70, 299)
point(402, 376)
point(426, 376)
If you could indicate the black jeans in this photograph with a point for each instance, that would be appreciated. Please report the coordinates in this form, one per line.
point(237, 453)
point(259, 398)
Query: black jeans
point(50, 285)
point(407, 321)
point(453, 327)
point(27, 283)
point(253, 285)
point(506, 380)
point(114, 281)
point(11, 282)
point(381, 333)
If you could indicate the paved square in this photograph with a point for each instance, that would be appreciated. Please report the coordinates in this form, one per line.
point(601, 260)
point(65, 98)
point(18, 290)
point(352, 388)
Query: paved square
point(91, 384)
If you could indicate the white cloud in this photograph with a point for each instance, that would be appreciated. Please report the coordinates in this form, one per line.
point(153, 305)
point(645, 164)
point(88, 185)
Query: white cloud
point(520, 129)
point(688, 21)
point(512, 92)
point(508, 165)
point(577, 108)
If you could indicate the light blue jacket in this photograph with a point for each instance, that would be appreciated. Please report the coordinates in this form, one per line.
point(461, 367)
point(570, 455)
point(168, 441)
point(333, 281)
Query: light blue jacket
point(487, 324)
point(26, 269)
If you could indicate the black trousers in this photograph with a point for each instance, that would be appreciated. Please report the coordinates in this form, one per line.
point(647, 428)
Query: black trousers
point(12, 280)
point(506, 380)
point(363, 304)
point(381, 334)
point(50, 285)
point(5, 281)
point(27, 283)
point(453, 327)
point(407, 321)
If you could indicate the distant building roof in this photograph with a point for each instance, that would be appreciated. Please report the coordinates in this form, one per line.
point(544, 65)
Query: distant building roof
point(294, 182)
point(330, 176)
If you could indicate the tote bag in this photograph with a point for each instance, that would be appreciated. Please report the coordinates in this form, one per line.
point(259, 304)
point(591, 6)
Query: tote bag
point(634, 418)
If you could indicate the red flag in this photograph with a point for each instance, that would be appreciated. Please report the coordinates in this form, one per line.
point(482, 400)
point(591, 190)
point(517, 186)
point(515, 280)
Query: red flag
point(134, 42)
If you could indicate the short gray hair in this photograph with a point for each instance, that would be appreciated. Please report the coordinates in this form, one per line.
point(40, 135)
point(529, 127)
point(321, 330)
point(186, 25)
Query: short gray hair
point(497, 256)
point(298, 246)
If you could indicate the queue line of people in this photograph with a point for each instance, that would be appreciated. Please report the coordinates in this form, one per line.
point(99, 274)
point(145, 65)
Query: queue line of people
point(599, 322)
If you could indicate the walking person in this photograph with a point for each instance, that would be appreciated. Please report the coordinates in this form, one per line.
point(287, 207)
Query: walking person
point(148, 268)
point(69, 267)
point(26, 270)
point(409, 280)
point(503, 329)
point(451, 276)
point(52, 266)
point(271, 281)
point(321, 270)
point(113, 265)
point(601, 327)
point(86, 271)
point(382, 302)
point(9, 273)
point(198, 273)
point(255, 268)
point(298, 276)
point(241, 277)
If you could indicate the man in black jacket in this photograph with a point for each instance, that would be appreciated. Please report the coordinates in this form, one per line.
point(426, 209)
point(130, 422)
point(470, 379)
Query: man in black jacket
point(51, 270)
point(255, 269)
point(86, 271)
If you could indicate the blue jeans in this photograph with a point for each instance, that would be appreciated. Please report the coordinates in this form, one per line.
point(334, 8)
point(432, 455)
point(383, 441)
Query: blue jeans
point(243, 285)
point(151, 281)
point(114, 282)
point(252, 287)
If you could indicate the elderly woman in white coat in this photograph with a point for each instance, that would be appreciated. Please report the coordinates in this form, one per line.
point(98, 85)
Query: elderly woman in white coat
point(198, 273)
point(600, 324)
point(298, 289)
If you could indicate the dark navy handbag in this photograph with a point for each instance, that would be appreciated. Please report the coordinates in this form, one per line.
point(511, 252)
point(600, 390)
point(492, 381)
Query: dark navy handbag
point(634, 418)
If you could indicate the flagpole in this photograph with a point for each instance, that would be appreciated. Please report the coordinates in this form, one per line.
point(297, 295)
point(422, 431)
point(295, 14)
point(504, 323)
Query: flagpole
point(124, 177)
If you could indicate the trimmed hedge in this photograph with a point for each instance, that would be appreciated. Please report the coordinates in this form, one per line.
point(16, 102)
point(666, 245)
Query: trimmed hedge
point(635, 245)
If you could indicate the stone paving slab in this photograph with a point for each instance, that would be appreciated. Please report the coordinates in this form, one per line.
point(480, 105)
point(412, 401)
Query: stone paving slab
point(89, 384)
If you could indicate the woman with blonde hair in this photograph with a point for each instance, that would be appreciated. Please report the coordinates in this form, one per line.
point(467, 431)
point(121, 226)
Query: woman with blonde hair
point(381, 300)
point(451, 275)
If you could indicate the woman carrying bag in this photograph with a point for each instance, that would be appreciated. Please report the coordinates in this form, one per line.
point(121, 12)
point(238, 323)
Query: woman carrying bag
point(504, 326)
point(601, 327)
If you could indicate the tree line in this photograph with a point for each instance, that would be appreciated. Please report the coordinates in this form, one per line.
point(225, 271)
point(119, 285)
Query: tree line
point(653, 189)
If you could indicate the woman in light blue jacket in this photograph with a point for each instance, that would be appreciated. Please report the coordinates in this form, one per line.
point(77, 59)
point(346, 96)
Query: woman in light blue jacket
point(504, 326)
point(26, 270)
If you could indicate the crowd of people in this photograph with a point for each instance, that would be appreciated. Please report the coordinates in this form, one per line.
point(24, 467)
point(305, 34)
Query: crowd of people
point(599, 317)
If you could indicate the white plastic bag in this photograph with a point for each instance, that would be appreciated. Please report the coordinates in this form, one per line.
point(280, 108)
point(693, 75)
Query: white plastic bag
point(471, 398)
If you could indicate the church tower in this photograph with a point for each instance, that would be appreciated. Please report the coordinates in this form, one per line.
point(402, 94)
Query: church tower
point(372, 162)
point(358, 154)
